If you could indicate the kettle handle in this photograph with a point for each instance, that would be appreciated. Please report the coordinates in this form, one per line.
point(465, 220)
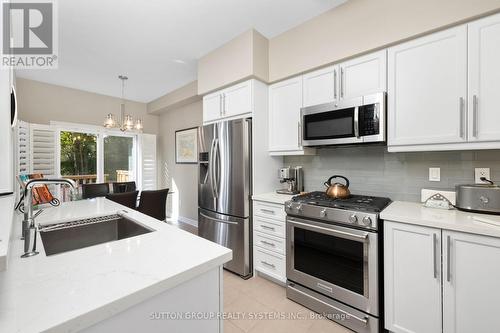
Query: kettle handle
point(329, 181)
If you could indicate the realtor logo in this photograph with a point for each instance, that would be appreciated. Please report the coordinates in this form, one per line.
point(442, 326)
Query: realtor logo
point(29, 34)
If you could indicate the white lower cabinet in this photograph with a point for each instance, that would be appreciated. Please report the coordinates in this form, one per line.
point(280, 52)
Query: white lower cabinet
point(269, 221)
point(412, 277)
point(440, 281)
point(471, 283)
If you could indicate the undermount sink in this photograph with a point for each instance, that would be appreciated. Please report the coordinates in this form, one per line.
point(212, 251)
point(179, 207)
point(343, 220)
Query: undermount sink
point(74, 235)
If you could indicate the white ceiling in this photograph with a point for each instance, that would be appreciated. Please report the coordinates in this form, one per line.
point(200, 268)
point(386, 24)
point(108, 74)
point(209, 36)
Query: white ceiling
point(157, 42)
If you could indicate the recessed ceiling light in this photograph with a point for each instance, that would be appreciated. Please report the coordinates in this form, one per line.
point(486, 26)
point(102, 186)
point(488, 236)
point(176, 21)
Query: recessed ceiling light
point(179, 61)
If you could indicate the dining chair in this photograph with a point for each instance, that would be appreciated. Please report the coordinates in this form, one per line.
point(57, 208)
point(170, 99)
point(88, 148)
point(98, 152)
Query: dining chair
point(128, 199)
point(90, 191)
point(122, 187)
point(153, 203)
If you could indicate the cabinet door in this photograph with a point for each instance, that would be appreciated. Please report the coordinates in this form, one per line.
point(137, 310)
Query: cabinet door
point(471, 274)
point(237, 99)
point(484, 76)
point(212, 107)
point(412, 274)
point(321, 86)
point(285, 101)
point(427, 89)
point(363, 75)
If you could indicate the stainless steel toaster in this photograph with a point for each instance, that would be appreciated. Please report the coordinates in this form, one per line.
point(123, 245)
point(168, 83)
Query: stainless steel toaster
point(479, 198)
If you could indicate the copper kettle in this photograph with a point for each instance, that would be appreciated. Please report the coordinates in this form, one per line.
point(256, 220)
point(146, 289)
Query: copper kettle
point(337, 190)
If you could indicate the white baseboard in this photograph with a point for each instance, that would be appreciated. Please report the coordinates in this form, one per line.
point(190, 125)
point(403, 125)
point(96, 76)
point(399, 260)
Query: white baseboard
point(188, 221)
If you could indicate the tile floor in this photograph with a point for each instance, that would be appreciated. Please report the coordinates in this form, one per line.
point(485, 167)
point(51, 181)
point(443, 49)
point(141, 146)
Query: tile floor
point(260, 297)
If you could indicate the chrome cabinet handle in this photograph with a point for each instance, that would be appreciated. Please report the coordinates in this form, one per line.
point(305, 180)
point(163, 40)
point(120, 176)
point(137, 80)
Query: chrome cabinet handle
point(462, 115)
point(448, 258)
point(268, 243)
point(434, 252)
point(268, 264)
point(341, 82)
point(221, 104)
point(474, 116)
point(334, 84)
point(268, 228)
point(268, 211)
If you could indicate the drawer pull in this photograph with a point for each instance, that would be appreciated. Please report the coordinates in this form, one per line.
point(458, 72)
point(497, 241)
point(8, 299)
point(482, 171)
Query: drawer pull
point(268, 243)
point(267, 264)
point(268, 228)
point(267, 211)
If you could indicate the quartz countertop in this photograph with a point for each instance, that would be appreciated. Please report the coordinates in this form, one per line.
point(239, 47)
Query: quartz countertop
point(74, 290)
point(455, 220)
point(273, 197)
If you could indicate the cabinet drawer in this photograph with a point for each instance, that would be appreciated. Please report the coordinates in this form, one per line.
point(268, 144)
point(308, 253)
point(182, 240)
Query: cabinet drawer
point(270, 263)
point(268, 226)
point(268, 242)
point(269, 210)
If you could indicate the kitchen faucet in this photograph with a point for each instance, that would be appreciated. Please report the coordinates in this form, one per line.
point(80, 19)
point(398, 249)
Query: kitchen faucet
point(29, 218)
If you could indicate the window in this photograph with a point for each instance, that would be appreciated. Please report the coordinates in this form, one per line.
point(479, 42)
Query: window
point(93, 155)
point(79, 156)
point(119, 161)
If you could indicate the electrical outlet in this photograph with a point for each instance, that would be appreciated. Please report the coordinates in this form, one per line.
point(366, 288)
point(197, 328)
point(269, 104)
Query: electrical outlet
point(434, 174)
point(481, 172)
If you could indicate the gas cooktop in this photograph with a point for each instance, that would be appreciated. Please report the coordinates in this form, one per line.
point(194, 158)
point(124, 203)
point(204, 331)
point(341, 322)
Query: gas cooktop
point(354, 202)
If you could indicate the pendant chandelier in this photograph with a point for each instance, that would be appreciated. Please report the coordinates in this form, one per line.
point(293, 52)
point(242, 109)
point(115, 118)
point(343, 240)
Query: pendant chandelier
point(126, 122)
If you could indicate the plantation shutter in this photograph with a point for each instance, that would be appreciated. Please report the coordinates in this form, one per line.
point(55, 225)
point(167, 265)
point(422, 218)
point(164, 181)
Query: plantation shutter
point(43, 150)
point(23, 148)
point(147, 162)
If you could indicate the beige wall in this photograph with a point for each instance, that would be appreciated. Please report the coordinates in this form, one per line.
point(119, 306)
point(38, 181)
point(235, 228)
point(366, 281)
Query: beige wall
point(175, 99)
point(359, 26)
point(241, 58)
point(41, 103)
point(180, 178)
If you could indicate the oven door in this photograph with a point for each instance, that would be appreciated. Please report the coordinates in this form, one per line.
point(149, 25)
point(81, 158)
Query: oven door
point(336, 261)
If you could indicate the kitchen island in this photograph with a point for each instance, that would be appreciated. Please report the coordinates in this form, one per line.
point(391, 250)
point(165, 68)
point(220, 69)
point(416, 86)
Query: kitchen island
point(164, 280)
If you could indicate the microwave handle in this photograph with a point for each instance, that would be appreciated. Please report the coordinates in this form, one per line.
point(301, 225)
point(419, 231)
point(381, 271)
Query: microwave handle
point(356, 122)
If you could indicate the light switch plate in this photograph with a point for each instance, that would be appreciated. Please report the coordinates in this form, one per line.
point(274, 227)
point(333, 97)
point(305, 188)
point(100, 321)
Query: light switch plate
point(434, 174)
point(481, 172)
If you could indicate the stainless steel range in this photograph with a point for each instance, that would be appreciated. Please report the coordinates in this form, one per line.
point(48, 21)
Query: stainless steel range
point(333, 257)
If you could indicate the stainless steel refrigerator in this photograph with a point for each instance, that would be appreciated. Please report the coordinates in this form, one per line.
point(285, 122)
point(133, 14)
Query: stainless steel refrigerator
point(225, 189)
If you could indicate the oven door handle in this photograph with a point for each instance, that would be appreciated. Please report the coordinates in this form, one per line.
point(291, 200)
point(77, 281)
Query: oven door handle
point(363, 237)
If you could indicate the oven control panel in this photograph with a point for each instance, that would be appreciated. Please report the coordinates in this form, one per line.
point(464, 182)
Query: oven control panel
point(359, 219)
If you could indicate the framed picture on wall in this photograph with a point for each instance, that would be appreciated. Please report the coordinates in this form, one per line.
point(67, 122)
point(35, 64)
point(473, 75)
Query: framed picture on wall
point(186, 146)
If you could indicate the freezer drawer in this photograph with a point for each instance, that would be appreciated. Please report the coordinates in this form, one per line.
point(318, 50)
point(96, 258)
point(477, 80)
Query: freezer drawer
point(231, 232)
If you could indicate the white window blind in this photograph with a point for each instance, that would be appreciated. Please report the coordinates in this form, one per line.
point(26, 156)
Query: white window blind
point(43, 150)
point(147, 162)
point(23, 148)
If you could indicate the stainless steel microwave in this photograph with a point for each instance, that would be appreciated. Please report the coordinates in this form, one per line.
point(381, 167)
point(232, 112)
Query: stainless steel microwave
point(355, 121)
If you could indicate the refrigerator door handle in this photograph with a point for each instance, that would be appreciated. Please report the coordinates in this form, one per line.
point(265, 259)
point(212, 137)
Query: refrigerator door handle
point(216, 169)
point(211, 167)
point(217, 220)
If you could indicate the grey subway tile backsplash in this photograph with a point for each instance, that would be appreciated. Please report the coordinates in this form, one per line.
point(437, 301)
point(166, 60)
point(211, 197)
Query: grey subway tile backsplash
point(400, 176)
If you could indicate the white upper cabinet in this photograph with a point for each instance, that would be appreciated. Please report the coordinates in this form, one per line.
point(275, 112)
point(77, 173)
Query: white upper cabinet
point(363, 75)
point(412, 259)
point(230, 103)
point(471, 272)
point(427, 90)
point(237, 99)
point(285, 102)
point(321, 86)
point(484, 79)
point(212, 107)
